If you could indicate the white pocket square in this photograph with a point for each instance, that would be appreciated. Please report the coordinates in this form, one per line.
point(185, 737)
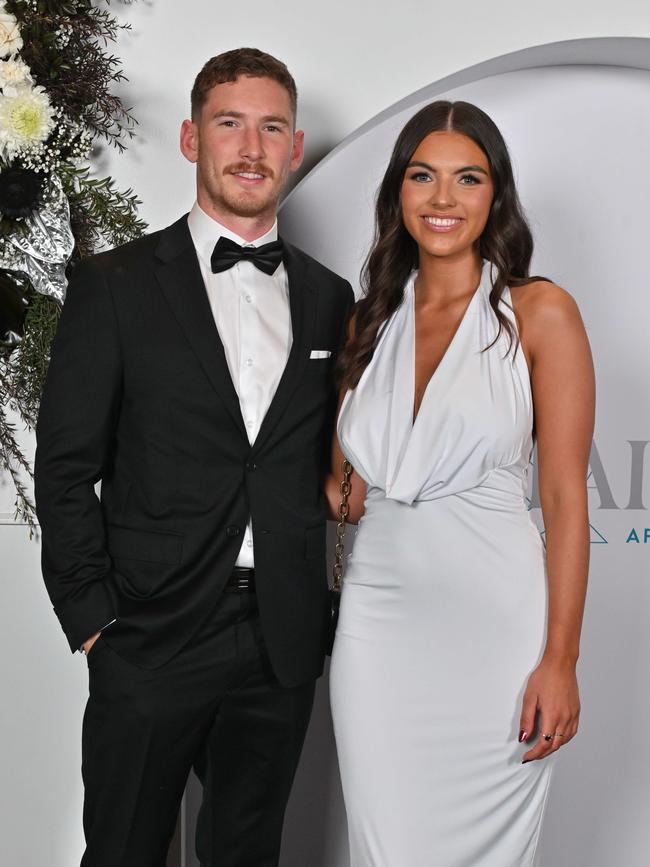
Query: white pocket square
point(320, 353)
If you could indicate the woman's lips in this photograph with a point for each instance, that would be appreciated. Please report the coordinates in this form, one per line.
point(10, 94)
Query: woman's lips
point(442, 224)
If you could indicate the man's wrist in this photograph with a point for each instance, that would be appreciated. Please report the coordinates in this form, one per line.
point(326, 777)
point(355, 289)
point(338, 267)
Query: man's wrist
point(93, 638)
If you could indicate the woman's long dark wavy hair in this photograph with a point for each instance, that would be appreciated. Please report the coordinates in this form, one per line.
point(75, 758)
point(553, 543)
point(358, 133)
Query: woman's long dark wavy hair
point(506, 240)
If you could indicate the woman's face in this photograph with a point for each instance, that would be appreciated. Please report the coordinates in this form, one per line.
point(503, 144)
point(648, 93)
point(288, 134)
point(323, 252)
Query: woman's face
point(446, 194)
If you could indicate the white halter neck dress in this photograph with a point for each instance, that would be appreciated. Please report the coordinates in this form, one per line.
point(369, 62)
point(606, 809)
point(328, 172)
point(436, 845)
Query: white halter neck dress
point(443, 614)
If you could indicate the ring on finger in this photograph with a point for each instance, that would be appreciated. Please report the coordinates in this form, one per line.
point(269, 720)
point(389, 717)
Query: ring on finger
point(549, 737)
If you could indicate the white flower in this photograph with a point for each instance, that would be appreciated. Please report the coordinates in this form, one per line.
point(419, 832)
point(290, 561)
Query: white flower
point(13, 73)
point(26, 119)
point(10, 38)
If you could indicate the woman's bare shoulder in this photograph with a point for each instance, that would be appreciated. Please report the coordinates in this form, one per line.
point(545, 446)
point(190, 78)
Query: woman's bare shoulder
point(542, 304)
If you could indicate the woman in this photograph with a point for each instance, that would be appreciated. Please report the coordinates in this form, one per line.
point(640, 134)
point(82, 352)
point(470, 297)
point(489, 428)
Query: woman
point(453, 673)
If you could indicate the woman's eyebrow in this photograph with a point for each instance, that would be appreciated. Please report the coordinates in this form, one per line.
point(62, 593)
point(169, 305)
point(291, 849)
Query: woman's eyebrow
point(430, 168)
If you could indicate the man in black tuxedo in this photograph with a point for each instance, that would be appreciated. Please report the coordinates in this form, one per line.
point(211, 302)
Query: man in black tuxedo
point(192, 374)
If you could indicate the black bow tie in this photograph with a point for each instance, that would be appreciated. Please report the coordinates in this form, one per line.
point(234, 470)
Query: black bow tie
point(227, 253)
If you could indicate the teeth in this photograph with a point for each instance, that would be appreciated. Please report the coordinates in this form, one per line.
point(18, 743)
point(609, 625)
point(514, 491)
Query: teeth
point(439, 221)
point(251, 175)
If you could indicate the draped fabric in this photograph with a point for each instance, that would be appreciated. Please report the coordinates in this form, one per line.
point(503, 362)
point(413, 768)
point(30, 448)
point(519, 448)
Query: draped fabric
point(475, 418)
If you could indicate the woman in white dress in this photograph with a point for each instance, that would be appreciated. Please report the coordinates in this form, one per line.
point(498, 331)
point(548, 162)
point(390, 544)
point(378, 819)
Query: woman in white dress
point(453, 672)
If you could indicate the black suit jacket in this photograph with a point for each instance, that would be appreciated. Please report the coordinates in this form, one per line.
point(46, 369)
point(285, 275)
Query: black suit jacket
point(139, 395)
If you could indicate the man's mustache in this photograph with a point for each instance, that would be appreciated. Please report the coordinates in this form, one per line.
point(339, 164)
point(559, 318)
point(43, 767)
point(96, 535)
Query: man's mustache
point(258, 168)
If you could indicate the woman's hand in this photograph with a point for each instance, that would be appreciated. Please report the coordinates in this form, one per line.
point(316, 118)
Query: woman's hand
point(551, 692)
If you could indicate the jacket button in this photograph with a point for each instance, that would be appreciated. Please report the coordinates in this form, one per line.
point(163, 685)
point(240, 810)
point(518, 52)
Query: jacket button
point(233, 531)
point(251, 466)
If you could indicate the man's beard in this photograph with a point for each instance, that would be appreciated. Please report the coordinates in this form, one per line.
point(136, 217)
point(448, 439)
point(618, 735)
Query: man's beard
point(244, 206)
point(241, 203)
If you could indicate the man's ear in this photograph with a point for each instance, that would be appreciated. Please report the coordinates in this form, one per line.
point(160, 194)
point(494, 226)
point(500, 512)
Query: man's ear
point(189, 140)
point(298, 150)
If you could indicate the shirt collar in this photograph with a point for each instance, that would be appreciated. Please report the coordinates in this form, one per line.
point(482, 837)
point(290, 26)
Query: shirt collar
point(206, 231)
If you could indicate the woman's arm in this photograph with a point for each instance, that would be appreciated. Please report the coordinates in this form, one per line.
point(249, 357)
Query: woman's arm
point(556, 346)
point(332, 482)
point(334, 478)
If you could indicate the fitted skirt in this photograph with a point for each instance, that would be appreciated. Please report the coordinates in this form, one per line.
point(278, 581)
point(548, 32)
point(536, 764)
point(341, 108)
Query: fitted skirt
point(443, 617)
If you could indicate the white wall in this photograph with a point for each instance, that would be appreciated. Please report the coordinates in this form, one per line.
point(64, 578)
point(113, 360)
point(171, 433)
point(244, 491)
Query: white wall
point(351, 61)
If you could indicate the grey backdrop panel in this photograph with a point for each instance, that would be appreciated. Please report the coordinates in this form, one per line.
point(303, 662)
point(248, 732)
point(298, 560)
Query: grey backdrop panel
point(577, 119)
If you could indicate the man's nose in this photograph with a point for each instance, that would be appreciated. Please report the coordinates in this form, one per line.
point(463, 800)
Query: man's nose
point(252, 146)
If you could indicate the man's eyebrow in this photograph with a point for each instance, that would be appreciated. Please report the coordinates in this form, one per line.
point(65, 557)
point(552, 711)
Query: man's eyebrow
point(423, 165)
point(268, 118)
point(275, 118)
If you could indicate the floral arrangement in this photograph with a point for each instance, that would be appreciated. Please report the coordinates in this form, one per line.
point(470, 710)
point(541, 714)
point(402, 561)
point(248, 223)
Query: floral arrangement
point(56, 105)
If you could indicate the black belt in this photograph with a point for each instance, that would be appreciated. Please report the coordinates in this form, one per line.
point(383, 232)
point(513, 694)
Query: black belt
point(241, 580)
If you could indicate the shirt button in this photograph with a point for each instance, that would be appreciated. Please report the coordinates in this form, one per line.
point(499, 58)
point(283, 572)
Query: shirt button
point(249, 362)
point(251, 466)
point(233, 531)
point(249, 298)
point(250, 543)
point(250, 422)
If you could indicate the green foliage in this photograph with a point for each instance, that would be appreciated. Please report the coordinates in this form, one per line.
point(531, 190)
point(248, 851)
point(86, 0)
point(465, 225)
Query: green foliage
point(66, 48)
point(100, 215)
point(24, 373)
point(13, 462)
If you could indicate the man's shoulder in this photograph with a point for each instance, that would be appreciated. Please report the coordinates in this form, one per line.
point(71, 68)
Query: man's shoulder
point(135, 254)
point(325, 274)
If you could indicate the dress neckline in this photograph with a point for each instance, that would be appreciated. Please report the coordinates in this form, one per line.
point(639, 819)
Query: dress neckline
point(450, 346)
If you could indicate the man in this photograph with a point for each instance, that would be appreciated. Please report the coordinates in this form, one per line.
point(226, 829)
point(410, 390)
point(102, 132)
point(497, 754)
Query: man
point(192, 374)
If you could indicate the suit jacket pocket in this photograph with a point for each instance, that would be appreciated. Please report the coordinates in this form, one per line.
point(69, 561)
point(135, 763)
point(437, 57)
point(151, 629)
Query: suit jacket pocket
point(127, 543)
point(318, 366)
point(143, 560)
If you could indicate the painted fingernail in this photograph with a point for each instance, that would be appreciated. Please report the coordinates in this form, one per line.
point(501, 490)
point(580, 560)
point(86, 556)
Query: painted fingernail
point(522, 735)
point(525, 761)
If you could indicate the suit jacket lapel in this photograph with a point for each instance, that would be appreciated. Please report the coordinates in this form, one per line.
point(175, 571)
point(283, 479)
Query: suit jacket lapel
point(302, 301)
point(180, 278)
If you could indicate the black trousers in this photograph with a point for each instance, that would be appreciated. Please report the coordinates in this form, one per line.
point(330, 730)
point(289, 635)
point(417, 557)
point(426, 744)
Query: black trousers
point(216, 707)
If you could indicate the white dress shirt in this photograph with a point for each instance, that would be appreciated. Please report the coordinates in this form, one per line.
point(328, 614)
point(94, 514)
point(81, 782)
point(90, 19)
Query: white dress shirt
point(253, 318)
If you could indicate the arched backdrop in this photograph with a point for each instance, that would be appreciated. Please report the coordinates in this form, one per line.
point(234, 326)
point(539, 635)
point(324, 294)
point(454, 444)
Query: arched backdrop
point(576, 116)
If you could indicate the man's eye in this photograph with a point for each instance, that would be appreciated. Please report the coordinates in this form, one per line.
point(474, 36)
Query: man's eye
point(272, 129)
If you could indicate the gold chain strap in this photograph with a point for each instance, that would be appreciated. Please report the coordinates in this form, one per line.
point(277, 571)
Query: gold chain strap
point(344, 509)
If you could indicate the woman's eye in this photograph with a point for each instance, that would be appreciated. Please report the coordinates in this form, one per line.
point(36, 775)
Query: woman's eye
point(420, 176)
point(469, 180)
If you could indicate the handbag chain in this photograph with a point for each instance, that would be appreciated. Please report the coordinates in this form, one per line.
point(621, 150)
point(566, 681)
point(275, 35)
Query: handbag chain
point(344, 509)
